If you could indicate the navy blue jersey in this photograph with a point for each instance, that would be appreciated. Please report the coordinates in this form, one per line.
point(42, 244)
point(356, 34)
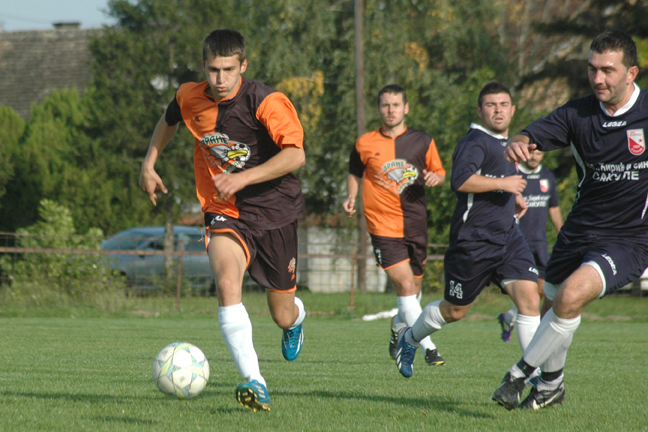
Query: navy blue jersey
point(483, 216)
point(539, 194)
point(610, 152)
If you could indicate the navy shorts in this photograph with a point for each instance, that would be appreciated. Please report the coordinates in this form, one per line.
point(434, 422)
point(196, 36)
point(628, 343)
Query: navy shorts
point(470, 266)
point(271, 254)
point(390, 252)
point(619, 261)
point(540, 251)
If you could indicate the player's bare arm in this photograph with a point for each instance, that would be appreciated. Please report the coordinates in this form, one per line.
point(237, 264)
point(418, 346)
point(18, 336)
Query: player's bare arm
point(520, 206)
point(289, 159)
point(149, 180)
point(479, 184)
point(433, 179)
point(556, 217)
point(517, 150)
point(353, 186)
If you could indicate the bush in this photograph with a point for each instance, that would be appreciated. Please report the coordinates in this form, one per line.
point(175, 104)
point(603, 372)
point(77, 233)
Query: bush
point(60, 280)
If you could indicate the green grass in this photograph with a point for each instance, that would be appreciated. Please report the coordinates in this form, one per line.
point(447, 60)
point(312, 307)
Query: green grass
point(93, 373)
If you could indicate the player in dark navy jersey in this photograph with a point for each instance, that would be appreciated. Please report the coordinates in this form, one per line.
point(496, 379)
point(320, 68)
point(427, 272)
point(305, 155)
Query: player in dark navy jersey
point(541, 198)
point(394, 164)
point(486, 244)
point(603, 244)
point(248, 141)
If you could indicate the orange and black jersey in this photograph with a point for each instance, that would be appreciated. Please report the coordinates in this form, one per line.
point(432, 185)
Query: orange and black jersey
point(393, 182)
point(241, 132)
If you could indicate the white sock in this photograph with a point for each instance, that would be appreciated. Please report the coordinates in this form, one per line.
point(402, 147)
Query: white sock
point(302, 313)
point(428, 322)
point(550, 385)
point(511, 315)
point(551, 334)
point(557, 360)
point(526, 328)
point(409, 310)
point(419, 296)
point(236, 329)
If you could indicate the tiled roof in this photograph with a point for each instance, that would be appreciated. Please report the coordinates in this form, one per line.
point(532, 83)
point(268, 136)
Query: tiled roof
point(33, 63)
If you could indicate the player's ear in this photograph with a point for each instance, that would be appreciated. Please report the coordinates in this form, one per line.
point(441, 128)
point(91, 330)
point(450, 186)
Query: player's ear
point(406, 108)
point(512, 110)
point(244, 64)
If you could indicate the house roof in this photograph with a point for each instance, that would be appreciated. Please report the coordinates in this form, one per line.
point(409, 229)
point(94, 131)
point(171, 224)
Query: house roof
point(33, 63)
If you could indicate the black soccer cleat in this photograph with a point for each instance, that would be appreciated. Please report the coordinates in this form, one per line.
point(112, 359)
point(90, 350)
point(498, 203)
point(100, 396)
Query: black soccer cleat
point(539, 399)
point(433, 358)
point(509, 391)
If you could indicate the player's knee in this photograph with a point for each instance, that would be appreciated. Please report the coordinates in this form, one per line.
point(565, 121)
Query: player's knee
point(451, 313)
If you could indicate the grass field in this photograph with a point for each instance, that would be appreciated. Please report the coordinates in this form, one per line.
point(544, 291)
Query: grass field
point(93, 373)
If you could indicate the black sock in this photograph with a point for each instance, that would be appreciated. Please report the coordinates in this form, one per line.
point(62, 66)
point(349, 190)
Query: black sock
point(550, 376)
point(526, 368)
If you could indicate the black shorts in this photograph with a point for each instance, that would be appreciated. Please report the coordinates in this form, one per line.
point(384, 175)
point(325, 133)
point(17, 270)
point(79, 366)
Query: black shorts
point(540, 251)
point(271, 254)
point(391, 251)
point(471, 265)
point(619, 261)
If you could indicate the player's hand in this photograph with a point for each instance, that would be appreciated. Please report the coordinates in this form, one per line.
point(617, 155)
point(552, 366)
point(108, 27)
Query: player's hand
point(349, 206)
point(520, 206)
point(227, 185)
point(150, 182)
point(431, 179)
point(518, 151)
point(514, 184)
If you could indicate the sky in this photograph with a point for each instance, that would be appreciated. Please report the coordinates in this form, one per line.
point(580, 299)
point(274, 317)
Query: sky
point(17, 15)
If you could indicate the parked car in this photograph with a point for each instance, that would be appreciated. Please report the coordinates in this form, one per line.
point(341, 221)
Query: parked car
point(147, 271)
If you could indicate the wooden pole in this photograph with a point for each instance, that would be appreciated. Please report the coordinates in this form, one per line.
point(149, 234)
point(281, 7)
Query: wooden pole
point(179, 286)
point(361, 129)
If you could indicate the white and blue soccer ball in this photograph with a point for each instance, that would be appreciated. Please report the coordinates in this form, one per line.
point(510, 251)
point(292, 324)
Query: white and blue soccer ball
point(181, 370)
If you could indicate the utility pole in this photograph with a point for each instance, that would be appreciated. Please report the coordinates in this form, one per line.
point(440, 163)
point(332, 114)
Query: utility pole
point(360, 116)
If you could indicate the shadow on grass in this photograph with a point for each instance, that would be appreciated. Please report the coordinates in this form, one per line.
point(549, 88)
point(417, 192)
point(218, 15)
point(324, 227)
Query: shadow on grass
point(422, 404)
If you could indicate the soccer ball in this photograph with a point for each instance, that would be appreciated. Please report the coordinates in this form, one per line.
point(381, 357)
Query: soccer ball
point(181, 370)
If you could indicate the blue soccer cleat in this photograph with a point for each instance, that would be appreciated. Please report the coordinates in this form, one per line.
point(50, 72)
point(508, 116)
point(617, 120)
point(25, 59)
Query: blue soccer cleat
point(291, 342)
point(405, 354)
point(506, 328)
point(253, 395)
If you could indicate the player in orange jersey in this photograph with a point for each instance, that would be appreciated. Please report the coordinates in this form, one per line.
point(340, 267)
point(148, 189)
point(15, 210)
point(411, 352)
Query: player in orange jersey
point(248, 142)
point(394, 164)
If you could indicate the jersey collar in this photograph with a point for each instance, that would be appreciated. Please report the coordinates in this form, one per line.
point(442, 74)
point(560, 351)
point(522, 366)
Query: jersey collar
point(489, 132)
point(528, 171)
point(625, 108)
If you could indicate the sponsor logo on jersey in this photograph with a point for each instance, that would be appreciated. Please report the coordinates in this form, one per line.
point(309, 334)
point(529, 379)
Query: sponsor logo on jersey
point(636, 141)
point(224, 153)
point(611, 124)
point(544, 185)
point(534, 270)
point(397, 174)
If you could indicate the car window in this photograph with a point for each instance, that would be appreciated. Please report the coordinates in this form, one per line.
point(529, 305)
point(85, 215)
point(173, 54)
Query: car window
point(125, 241)
point(194, 243)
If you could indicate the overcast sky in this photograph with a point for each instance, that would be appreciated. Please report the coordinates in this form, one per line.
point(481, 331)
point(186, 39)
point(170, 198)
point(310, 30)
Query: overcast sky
point(18, 15)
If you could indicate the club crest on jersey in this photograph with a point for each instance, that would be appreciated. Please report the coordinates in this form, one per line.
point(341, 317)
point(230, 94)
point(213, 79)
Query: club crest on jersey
point(224, 153)
point(544, 185)
point(397, 174)
point(636, 141)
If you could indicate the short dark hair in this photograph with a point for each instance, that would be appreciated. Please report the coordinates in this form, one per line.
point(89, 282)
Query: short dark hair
point(393, 89)
point(224, 43)
point(616, 40)
point(492, 87)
